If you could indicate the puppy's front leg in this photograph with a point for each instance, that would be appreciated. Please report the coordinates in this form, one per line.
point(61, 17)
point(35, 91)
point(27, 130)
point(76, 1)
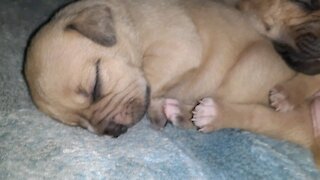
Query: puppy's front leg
point(295, 126)
point(288, 95)
point(165, 65)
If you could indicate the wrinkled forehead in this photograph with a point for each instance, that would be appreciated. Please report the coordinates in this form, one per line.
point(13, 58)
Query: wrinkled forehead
point(62, 59)
point(63, 47)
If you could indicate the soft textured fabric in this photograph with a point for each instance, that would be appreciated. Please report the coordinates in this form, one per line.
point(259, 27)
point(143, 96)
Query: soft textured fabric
point(34, 146)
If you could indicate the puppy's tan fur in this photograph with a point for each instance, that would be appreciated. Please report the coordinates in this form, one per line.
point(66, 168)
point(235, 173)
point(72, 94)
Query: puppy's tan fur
point(184, 49)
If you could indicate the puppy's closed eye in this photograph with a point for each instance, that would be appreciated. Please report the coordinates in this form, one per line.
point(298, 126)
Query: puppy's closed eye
point(96, 92)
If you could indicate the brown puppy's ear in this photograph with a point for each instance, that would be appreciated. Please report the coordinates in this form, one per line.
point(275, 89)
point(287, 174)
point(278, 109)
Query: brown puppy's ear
point(95, 23)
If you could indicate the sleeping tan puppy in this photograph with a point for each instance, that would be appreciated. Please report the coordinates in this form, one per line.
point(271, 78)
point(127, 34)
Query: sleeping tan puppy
point(92, 64)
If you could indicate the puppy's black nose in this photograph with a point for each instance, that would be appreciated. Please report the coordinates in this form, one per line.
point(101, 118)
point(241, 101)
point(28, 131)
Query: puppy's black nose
point(115, 130)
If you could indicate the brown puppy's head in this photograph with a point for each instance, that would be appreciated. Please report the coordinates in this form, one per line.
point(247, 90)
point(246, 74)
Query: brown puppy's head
point(294, 27)
point(82, 69)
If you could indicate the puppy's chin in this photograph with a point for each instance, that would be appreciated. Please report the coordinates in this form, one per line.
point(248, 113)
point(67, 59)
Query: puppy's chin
point(299, 61)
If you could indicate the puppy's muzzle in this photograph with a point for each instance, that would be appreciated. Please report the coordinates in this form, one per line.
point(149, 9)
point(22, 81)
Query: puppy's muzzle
point(113, 117)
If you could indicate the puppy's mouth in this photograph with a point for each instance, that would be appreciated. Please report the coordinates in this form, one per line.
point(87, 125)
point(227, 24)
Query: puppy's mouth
point(303, 59)
point(114, 114)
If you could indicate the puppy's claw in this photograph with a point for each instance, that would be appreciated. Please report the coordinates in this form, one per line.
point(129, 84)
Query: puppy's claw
point(207, 102)
point(204, 130)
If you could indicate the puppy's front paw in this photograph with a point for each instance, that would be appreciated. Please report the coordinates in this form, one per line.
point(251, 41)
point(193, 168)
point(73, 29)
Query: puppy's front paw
point(205, 115)
point(176, 113)
point(172, 110)
point(280, 99)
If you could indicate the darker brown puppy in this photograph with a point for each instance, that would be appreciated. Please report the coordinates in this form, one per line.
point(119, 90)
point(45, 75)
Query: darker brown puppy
point(299, 23)
point(294, 27)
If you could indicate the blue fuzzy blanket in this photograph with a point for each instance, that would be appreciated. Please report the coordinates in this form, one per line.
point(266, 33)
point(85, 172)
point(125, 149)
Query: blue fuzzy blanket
point(35, 147)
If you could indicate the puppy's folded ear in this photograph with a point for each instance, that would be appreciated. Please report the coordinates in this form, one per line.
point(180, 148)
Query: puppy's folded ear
point(95, 23)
